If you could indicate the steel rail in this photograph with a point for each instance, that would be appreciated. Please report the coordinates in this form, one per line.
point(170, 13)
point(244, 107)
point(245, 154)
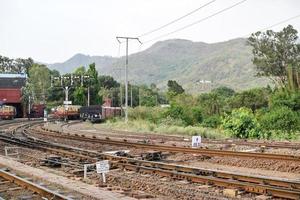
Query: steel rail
point(255, 184)
point(176, 149)
point(44, 192)
point(146, 135)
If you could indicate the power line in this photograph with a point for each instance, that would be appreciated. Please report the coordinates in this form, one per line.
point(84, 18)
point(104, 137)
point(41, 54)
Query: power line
point(175, 20)
point(281, 22)
point(276, 24)
point(197, 22)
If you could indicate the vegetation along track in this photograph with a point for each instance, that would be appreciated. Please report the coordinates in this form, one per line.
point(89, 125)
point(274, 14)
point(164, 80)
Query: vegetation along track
point(267, 144)
point(209, 152)
point(255, 184)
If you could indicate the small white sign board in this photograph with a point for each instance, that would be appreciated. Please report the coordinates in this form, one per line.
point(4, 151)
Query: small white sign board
point(67, 102)
point(102, 166)
point(196, 141)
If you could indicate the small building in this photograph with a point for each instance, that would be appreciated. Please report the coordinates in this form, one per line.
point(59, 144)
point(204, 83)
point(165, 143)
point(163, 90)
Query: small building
point(11, 91)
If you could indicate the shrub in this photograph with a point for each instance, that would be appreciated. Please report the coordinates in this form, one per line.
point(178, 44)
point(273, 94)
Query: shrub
point(212, 121)
point(241, 123)
point(152, 114)
point(281, 119)
point(291, 100)
point(169, 121)
point(177, 111)
point(197, 115)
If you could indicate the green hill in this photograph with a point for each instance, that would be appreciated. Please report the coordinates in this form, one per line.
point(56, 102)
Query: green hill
point(197, 66)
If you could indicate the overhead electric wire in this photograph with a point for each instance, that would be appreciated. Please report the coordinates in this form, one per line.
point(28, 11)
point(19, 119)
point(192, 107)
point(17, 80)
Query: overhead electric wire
point(281, 22)
point(197, 22)
point(175, 20)
point(273, 25)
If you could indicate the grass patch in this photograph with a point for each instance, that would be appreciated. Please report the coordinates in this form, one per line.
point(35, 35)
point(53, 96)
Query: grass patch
point(143, 126)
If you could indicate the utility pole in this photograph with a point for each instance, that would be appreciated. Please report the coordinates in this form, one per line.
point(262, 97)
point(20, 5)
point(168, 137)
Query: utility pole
point(139, 96)
point(88, 100)
point(131, 95)
point(126, 71)
point(121, 96)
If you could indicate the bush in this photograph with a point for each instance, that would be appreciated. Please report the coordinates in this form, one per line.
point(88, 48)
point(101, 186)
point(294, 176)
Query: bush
point(212, 121)
point(281, 119)
point(169, 121)
point(177, 111)
point(291, 100)
point(152, 114)
point(241, 123)
point(197, 115)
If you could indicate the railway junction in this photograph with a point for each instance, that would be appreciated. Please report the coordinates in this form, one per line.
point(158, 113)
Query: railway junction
point(59, 159)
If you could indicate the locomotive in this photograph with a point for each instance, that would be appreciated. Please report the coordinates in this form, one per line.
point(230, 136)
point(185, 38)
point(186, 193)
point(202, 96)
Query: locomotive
point(7, 112)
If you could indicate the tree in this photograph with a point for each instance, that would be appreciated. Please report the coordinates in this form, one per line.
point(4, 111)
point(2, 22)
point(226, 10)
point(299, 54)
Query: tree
point(108, 82)
point(93, 84)
point(174, 88)
point(39, 79)
point(277, 55)
point(18, 65)
point(241, 123)
point(281, 119)
point(223, 91)
point(79, 96)
point(80, 70)
point(211, 103)
point(254, 99)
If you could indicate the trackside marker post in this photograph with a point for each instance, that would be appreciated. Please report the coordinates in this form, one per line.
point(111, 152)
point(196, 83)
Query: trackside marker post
point(102, 167)
point(196, 141)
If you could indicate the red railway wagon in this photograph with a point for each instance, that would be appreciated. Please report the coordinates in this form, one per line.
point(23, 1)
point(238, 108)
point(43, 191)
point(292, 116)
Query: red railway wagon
point(109, 112)
point(37, 110)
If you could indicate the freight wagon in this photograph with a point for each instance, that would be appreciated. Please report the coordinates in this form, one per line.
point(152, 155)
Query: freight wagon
point(97, 113)
point(37, 110)
point(67, 112)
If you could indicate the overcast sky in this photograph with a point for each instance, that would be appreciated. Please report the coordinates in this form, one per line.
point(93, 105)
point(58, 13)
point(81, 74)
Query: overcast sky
point(54, 30)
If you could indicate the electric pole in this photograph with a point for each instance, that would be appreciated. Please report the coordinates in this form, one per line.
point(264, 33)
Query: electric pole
point(126, 72)
point(131, 95)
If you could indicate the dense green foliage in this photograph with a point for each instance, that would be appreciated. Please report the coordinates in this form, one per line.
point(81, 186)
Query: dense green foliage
point(281, 120)
point(241, 123)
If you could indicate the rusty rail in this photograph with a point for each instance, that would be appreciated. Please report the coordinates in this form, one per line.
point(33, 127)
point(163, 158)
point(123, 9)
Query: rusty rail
point(42, 191)
point(209, 152)
point(254, 184)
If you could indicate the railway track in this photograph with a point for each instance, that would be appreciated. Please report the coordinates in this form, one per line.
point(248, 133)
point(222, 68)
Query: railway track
point(9, 182)
point(120, 134)
point(175, 149)
point(261, 185)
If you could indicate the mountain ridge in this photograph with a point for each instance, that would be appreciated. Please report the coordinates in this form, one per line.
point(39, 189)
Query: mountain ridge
point(198, 66)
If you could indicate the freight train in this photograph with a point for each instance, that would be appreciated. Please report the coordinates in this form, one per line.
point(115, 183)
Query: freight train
point(93, 113)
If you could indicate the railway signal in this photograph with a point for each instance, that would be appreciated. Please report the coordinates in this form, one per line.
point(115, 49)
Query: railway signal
point(66, 82)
